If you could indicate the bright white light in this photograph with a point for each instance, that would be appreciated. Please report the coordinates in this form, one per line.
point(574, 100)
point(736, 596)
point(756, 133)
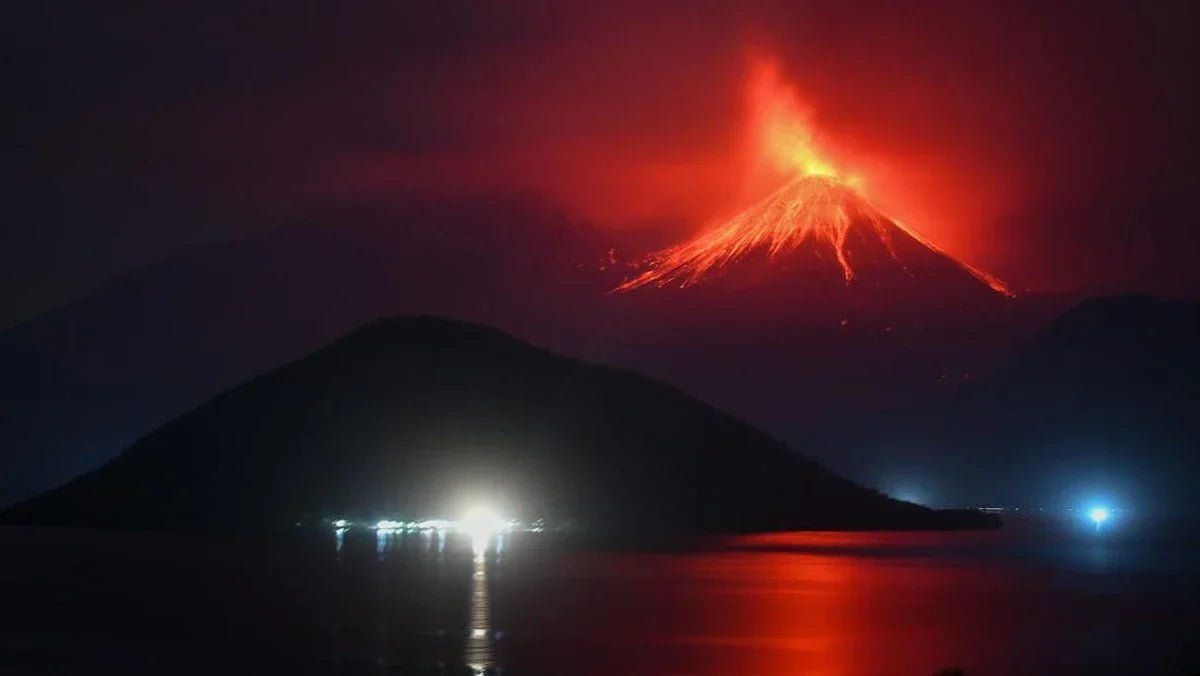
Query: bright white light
point(388, 524)
point(340, 523)
point(1098, 515)
point(480, 524)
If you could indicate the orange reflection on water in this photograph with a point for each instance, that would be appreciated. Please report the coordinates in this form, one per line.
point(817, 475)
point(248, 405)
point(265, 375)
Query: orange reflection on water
point(794, 603)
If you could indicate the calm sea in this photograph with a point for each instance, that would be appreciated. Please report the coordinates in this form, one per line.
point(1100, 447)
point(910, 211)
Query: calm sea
point(1036, 597)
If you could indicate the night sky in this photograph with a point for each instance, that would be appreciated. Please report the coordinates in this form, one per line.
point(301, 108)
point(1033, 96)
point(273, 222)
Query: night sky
point(1052, 146)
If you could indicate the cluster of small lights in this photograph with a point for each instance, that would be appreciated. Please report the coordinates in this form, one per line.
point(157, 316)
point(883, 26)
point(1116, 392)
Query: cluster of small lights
point(429, 524)
point(471, 523)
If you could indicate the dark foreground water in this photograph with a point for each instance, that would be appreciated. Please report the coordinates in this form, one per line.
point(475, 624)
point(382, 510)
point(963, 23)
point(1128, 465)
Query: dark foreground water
point(1033, 598)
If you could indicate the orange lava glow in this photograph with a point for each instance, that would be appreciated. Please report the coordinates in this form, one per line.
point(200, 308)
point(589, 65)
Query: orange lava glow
point(782, 128)
point(819, 203)
point(819, 207)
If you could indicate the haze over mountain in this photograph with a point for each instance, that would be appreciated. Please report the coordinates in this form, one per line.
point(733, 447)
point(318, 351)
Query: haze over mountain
point(416, 416)
point(790, 352)
point(810, 313)
point(83, 381)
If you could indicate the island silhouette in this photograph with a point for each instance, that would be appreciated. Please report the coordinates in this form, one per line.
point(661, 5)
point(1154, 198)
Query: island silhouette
point(407, 416)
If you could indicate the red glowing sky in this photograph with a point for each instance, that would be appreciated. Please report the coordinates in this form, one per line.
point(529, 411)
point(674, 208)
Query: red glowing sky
point(1051, 145)
point(1017, 138)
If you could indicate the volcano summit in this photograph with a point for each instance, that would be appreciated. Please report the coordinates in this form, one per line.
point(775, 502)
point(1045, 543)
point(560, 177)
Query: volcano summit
point(810, 219)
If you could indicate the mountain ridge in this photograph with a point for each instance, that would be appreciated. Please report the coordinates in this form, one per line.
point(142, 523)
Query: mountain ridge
point(474, 409)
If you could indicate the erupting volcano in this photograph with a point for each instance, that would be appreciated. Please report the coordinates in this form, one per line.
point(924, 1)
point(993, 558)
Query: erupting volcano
point(819, 213)
point(812, 215)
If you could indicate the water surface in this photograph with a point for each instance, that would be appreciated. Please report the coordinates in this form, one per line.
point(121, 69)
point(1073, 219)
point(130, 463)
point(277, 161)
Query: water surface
point(1032, 598)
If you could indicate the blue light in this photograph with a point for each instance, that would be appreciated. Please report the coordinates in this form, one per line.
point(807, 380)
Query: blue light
point(1098, 515)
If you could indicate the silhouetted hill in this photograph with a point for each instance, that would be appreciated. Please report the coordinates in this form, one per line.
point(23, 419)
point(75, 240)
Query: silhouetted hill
point(785, 343)
point(1103, 400)
point(411, 416)
point(82, 382)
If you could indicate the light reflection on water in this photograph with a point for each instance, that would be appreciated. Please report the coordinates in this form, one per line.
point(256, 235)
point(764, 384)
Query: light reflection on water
point(382, 539)
point(835, 603)
point(479, 653)
point(1014, 602)
point(445, 549)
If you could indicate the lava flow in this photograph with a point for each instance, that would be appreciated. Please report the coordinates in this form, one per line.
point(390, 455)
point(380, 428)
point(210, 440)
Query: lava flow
point(819, 204)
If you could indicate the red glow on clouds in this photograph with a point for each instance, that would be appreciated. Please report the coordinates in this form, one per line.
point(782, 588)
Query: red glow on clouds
point(786, 140)
point(962, 121)
point(670, 164)
point(820, 202)
point(781, 128)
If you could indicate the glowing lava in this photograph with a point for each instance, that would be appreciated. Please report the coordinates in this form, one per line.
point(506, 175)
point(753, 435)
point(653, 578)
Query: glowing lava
point(817, 207)
point(818, 204)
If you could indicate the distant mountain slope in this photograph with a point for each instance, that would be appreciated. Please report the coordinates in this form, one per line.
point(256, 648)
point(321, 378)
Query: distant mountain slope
point(411, 415)
point(1120, 346)
point(79, 383)
point(1105, 398)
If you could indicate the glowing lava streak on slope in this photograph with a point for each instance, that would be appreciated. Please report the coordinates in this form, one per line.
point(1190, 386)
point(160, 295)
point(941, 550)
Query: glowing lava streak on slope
point(819, 203)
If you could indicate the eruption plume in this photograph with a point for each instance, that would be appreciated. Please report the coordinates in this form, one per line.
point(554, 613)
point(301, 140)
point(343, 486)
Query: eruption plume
point(819, 203)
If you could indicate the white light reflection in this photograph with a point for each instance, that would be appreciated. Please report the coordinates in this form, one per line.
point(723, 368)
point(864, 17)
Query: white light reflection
point(479, 653)
point(381, 543)
point(480, 524)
